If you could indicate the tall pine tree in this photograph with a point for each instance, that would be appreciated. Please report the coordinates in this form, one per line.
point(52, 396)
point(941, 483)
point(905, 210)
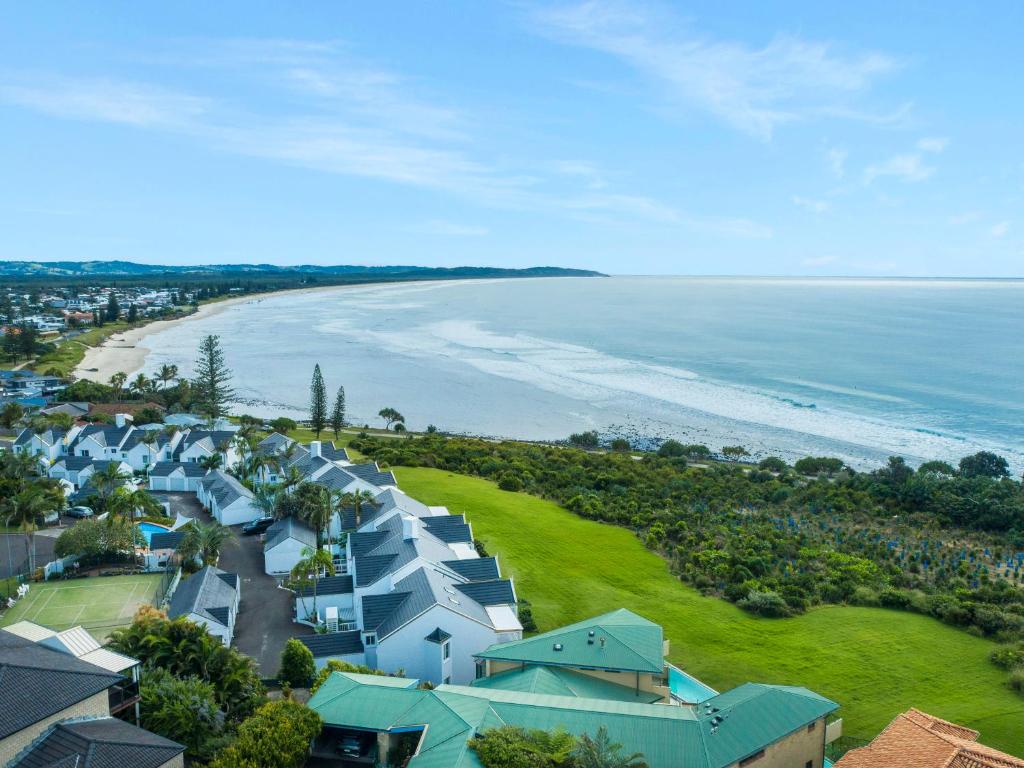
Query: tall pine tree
point(338, 414)
point(212, 384)
point(317, 402)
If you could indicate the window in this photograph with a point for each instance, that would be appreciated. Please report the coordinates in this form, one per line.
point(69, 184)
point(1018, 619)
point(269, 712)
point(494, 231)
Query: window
point(448, 680)
point(809, 764)
point(446, 651)
point(812, 726)
point(752, 759)
point(481, 669)
point(370, 639)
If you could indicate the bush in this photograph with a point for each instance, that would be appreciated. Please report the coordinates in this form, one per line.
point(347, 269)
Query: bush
point(149, 415)
point(1008, 656)
point(1016, 681)
point(283, 425)
point(585, 439)
point(183, 710)
point(814, 465)
point(773, 464)
point(526, 617)
point(513, 747)
point(768, 604)
point(894, 598)
point(336, 665)
point(671, 449)
point(278, 735)
point(297, 664)
point(621, 444)
point(508, 481)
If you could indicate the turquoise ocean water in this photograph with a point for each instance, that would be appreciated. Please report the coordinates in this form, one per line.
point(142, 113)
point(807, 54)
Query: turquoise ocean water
point(856, 368)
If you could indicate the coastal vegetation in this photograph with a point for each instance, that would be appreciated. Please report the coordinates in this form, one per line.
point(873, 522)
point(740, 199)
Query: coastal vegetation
point(875, 662)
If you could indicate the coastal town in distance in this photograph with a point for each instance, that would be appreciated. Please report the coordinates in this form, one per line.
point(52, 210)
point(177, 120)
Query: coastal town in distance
point(549, 384)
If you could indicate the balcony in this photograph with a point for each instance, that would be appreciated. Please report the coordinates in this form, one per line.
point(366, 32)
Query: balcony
point(122, 695)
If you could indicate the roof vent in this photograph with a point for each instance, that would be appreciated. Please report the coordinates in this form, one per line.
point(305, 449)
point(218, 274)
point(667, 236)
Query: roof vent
point(602, 642)
point(557, 646)
point(590, 637)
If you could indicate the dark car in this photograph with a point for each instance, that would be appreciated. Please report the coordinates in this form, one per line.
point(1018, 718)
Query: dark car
point(350, 746)
point(79, 513)
point(257, 526)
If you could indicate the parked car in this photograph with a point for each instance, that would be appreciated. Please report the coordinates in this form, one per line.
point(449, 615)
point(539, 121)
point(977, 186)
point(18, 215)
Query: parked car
point(350, 746)
point(79, 513)
point(257, 526)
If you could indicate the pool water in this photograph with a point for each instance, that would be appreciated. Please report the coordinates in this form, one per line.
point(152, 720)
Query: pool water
point(148, 529)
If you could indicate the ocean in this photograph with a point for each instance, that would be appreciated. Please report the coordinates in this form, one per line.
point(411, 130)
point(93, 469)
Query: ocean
point(856, 368)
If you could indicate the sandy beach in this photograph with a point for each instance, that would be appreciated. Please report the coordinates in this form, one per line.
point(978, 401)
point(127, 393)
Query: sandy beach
point(124, 352)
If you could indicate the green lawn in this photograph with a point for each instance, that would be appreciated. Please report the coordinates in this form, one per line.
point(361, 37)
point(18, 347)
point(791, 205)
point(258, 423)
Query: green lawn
point(874, 663)
point(100, 604)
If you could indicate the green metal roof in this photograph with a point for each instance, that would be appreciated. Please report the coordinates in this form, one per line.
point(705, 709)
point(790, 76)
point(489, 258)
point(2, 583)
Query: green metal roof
point(751, 717)
point(620, 640)
point(559, 681)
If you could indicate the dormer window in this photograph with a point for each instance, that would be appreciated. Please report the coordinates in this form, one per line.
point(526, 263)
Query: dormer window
point(370, 639)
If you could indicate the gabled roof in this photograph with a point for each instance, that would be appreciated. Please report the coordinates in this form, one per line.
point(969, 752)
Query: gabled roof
point(98, 743)
point(449, 528)
point(668, 736)
point(225, 488)
point(475, 568)
point(273, 443)
point(37, 682)
point(497, 592)
point(331, 585)
point(289, 528)
point(210, 593)
point(337, 479)
point(560, 681)
point(438, 636)
point(104, 434)
point(74, 463)
point(333, 643)
point(931, 743)
point(617, 640)
point(187, 468)
point(208, 439)
point(333, 452)
point(386, 550)
point(372, 474)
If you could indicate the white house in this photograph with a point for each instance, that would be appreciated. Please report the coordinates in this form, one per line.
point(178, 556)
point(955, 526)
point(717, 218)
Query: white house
point(77, 470)
point(175, 476)
point(48, 445)
point(230, 502)
point(198, 444)
point(143, 449)
point(342, 646)
point(284, 543)
point(331, 592)
point(103, 441)
point(209, 597)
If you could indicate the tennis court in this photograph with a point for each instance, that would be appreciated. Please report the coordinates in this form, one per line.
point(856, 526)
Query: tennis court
point(100, 604)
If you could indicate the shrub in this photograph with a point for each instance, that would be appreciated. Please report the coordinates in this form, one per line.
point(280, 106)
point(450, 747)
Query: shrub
point(671, 449)
point(283, 424)
point(1008, 656)
point(621, 444)
point(526, 617)
point(773, 464)
point(183, 710)
point(278, 735)
point(814, 465)
point(297, 664)
point(894, 598)
point(513, 747)
point(585, 439)
point(864, 596)
point(336, 665)
point(508, 481)
point(1016, 681)
point(768, 604)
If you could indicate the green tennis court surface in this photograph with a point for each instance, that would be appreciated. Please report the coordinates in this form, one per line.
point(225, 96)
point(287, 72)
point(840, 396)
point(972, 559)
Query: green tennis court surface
point(100, 604)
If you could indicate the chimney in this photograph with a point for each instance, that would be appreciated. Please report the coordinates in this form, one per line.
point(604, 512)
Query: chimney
point(122, 419)
point(410, 528)
point(314, 449)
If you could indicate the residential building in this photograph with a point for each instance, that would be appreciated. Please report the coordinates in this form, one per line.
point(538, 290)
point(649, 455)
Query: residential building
point(176, 476)
point(199, 444)
point(929, 742)
point(99, 743)
point(209, 597)
point(284, 544)
point(230, 502)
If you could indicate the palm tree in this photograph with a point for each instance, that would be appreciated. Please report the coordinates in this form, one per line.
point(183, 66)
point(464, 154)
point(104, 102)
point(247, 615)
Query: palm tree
point(141, 384)
point(132, 504)
point(213, 461)
point(601, 752)
point(107, 479)
point(291, 478)
point(319, 514)
point(264, 497)
point(356, 499)
point(311, 568)
point(205, 540)
point(117, 382)
point(167, 374)
point(24, 510)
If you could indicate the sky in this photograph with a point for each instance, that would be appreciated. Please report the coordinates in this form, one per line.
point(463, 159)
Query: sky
point(784, 138)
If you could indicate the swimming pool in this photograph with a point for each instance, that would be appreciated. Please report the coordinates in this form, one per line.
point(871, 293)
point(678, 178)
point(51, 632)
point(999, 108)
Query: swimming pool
point(148, 529)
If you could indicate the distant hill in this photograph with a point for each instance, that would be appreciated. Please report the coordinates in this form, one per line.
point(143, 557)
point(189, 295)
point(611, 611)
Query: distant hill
point(78, 269)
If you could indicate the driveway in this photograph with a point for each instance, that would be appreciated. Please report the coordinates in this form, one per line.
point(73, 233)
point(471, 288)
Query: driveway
point(264, 622)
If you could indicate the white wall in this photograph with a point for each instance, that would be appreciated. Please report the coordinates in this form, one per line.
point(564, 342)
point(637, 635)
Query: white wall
point(344, 604)
point(406, 649)
point(239, 511)
point(281, 559)
point(215, 628)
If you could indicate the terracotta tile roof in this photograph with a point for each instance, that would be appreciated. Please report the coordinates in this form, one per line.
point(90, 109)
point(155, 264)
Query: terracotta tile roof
point(916, 739)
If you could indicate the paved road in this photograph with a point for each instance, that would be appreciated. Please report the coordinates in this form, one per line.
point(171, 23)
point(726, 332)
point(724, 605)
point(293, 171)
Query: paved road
point(264, 621)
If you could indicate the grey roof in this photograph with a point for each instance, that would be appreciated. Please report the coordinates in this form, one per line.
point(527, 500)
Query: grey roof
point(449, 528)
point(497, 592)
point(210, 593)
point(75, 463)
point(190, 468)
point(289, 528)
point(225, 488)
point(72, 409)
point(333, 452)
point(24, 437)
point(418, 592)
point(48, 436)
point(372, 474)
point(388, 550)
point(98, 743)
point(104, 434)
point(438, 636)
point(37, 682)
point(211, 439)
point(332, 585)
point(333, 643)
point(157, 438)
point(337, 479)
point(166, 540)
point(273, 443)
point(475, 569)
point(307, 465)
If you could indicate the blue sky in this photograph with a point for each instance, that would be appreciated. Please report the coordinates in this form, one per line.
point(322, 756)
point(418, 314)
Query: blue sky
point(707, 138)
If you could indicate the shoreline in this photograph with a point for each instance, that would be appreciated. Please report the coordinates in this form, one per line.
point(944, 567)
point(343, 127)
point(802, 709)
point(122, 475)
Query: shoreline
point(123, 352)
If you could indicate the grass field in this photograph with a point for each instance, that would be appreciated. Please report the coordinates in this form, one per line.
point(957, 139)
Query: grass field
point(874, 663)
point(100, 604)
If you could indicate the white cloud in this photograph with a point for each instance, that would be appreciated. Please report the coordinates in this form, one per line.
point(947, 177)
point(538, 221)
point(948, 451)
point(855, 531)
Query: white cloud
point(819, 261)
point(836, 159)
point(907, 168)
point(586, 171)
point(933, 144)
point(809, 204)
point(754, 89)
point(1000, 229)
point(967, 217)
point(440, 227)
